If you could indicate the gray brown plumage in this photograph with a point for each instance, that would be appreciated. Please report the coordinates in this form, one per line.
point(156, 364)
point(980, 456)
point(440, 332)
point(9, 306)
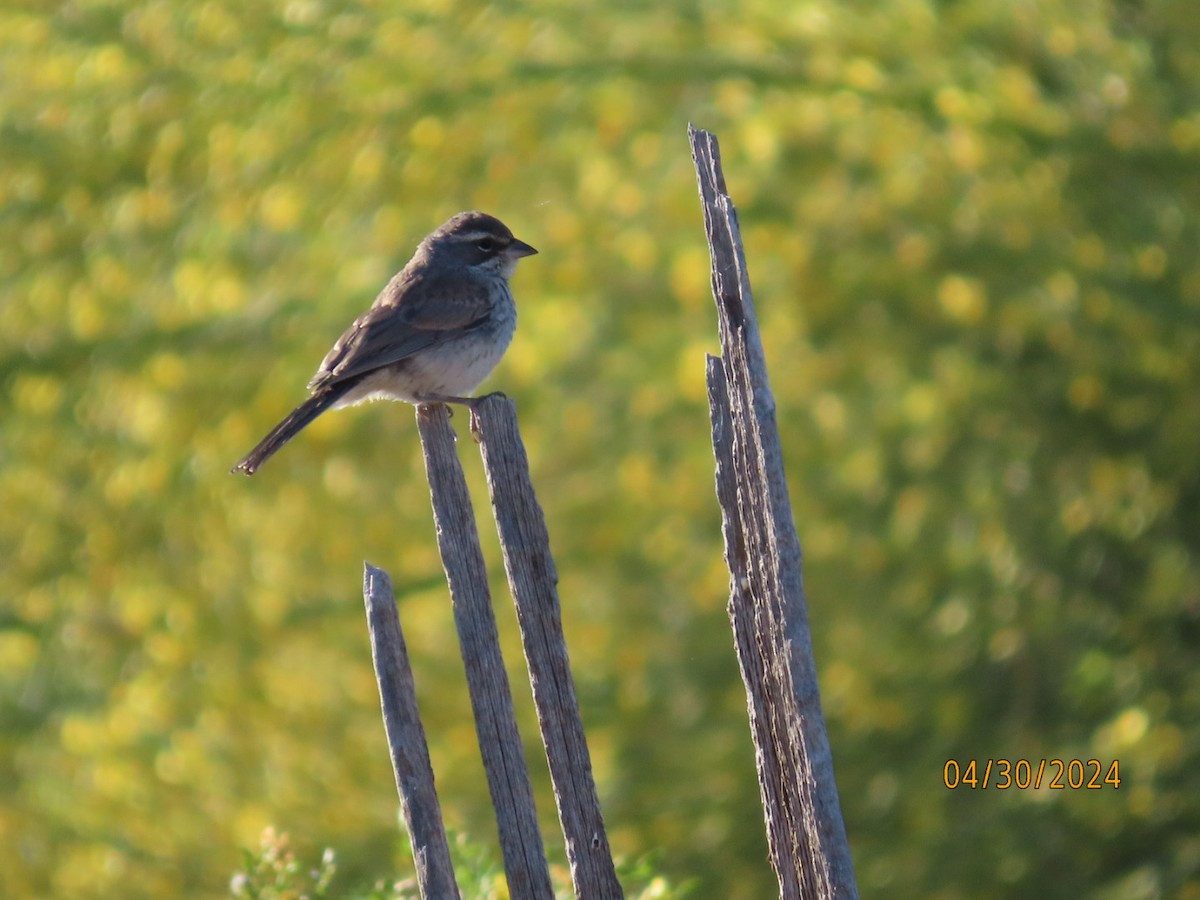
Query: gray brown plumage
point(432, 335)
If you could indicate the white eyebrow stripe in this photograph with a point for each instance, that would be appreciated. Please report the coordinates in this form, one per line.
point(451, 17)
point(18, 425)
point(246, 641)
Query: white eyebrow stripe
point(480, 235)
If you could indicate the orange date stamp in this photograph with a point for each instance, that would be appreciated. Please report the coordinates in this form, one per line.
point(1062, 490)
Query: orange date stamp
point(1025, 774)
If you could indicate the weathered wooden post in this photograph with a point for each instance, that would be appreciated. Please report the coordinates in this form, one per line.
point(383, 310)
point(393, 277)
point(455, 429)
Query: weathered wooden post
point(767, 607)
point(533, 583)
point(767, 610)
point(406, 738)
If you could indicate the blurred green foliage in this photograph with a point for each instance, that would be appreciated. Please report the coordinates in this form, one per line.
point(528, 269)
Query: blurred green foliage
point(275, 873)
point(973, 230)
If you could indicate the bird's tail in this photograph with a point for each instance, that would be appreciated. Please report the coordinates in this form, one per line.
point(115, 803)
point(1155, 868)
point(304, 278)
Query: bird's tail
point(297, 419)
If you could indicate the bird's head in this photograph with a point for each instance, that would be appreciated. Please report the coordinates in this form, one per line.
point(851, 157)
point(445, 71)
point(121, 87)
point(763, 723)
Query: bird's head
point(476, 240)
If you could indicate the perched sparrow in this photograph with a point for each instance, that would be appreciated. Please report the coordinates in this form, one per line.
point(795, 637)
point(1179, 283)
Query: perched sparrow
point(431, 336)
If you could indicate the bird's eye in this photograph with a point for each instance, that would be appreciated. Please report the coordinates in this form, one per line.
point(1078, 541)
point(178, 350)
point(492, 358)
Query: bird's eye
point(487, 245)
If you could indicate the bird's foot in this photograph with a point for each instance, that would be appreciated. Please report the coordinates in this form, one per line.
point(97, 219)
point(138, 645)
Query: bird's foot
point(476, 431)
point(468, 402)
point(476, 424)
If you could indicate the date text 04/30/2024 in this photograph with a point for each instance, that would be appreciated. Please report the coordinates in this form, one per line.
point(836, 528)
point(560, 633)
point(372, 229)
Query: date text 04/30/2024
point(1025, 774)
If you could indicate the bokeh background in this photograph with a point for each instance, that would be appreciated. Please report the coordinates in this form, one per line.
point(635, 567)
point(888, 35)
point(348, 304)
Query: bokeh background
point(972, 230)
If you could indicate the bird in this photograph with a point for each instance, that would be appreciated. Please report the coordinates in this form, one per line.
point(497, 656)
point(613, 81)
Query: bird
point(433, 334)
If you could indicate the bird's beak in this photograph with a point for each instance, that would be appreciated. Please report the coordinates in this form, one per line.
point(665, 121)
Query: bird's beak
point(517, 249)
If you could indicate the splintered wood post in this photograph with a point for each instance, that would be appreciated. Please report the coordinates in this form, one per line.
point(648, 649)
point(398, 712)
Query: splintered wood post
point(491, 699)
point(767, 607)
point(533, 582)
point(406, 739)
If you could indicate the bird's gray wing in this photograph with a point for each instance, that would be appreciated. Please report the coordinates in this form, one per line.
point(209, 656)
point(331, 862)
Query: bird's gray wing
point(415, 311)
